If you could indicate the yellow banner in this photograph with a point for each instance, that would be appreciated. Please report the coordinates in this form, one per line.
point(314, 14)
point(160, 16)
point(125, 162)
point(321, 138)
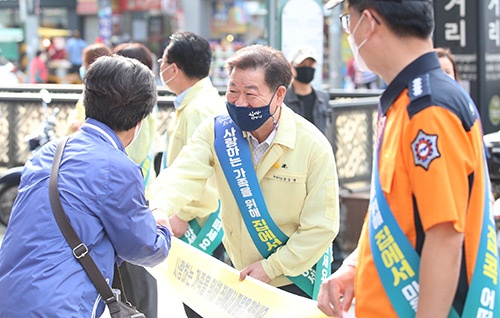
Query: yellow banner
point(213, 289)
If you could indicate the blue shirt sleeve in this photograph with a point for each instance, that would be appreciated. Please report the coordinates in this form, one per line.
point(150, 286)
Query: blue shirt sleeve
point(127, 219)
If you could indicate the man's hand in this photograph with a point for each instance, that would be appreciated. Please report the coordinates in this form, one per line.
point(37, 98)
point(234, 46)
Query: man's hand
point(339, 284)
point(255, 270)
point(161, 218)
point(179, 226)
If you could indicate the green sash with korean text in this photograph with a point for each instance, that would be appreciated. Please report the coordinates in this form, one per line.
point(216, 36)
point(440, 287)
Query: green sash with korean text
point(235, 158)
point(208, 237)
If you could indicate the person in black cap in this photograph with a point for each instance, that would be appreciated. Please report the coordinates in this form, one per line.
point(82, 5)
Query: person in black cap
point(428, 245)
point(301, 96)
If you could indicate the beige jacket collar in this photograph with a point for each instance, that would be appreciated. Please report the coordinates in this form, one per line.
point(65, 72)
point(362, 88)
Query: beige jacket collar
point(194, 91)
point(287, 128)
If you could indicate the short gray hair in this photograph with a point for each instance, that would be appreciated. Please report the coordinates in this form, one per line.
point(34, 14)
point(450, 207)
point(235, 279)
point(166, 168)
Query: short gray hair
point(119, 92)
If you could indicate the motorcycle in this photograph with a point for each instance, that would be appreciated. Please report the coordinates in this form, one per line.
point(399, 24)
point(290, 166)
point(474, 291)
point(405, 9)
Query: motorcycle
point(10, 179)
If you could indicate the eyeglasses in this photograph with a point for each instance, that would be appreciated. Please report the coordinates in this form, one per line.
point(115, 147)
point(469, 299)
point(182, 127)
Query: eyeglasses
point(160, 60)
point(345, 21)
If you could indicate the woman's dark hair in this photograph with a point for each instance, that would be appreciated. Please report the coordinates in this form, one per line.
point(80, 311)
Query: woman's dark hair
point(119, 92)
point(277, 71)
point(136, 51)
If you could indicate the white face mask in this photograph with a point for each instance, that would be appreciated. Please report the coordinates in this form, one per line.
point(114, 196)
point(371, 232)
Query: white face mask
point(165, 82)
point(82, 72)
point(137, 130)
point(355, 49)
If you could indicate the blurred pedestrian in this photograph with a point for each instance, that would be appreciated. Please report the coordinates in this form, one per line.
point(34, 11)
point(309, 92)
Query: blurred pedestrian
point(447, 61)
point(102, 193)
point(275, 174)
point(301, 97)
point(38, 69)
point(184, 69)
point(90, 54)
point(428, 245)
point(74, 47)
point(55, 50)
point(362, 78)
point(310, 103)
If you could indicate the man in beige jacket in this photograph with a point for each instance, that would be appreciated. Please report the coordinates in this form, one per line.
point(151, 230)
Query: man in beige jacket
point(184, 70)
point(291, 162)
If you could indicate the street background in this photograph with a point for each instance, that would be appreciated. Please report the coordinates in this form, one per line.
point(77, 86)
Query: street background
point(470, 29)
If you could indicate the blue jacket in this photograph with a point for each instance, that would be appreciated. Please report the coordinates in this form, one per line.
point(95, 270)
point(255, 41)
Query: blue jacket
point(102, 192)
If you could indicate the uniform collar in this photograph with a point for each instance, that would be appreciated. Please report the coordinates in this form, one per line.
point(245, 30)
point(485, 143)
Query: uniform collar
point(96, 128)
point(421, 65)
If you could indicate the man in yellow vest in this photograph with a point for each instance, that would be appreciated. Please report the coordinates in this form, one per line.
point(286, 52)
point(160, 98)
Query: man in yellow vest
point(184, 69)
point(275, 173)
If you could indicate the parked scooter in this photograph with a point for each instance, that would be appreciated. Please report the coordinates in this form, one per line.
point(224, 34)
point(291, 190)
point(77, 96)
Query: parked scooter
point(10, 179)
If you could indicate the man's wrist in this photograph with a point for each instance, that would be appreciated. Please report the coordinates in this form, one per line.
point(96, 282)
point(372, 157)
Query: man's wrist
point(351, 260)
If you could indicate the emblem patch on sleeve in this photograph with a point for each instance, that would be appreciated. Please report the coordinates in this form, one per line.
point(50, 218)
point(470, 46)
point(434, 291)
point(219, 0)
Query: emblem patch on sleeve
point(424, 149)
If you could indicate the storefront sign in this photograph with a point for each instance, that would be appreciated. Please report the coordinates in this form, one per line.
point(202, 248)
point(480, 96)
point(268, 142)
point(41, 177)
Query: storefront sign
point(9, 3)
point(140, 5)
point(457, 29)
point(228, 18)
point(302, 24)
point(475, 43)
point(105, 24)
point(84, 7)
point(491, 82)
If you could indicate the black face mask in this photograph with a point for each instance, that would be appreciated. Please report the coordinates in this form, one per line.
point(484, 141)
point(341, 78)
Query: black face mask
point(305, 74)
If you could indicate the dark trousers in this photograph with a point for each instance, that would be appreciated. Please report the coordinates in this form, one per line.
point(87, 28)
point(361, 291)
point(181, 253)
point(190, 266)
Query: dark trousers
point(294, 289)
point(219, 253)
point(140, 289)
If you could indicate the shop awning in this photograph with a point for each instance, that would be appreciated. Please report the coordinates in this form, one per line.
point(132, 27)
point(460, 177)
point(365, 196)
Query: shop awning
point(11, 35)
point(86, 7)
point(49, 32)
